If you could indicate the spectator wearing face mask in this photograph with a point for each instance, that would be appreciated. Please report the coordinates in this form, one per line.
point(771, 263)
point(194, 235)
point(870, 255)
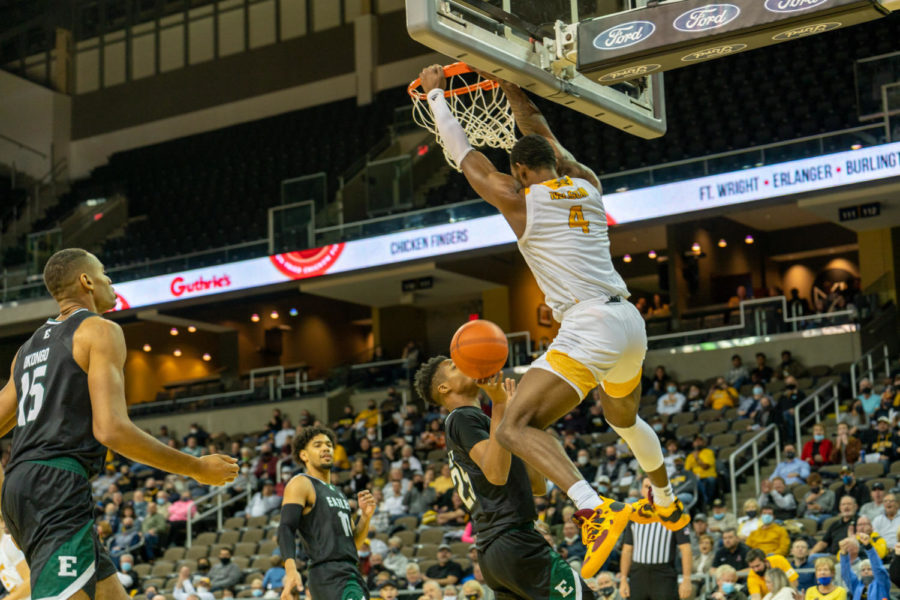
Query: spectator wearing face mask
point(882, 442)
point(604, 585)
point(571, 547)
point(602, 484)
point(720, 519)
point(817, 451)
point(226, 574)
point(787, 402)
point(748, 405)
point(825, 587)
point(727, 587)
point(672, 401)
point(851, 487)
point(583, 462)
point(868, 398)
point(818, 503)
point(871, 580)
point(394, 560)
point(256, 588)
point(770, 537)
point(126, 575)
point(750, 522)
point(792, 469)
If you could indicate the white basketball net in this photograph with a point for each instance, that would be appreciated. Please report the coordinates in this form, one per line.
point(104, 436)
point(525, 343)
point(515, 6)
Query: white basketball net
point(480, 107)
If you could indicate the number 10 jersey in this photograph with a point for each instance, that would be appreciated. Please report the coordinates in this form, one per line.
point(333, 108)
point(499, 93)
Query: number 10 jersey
point(495, 509)
point(54, 416)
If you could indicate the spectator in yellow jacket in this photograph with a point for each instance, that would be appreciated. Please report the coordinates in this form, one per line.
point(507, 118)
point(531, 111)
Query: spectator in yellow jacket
point(770, 537)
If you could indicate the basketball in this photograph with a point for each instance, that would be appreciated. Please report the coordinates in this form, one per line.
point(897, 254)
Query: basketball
point(479, 349)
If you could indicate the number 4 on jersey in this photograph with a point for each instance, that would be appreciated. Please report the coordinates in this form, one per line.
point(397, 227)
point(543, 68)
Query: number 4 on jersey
point(576, 219)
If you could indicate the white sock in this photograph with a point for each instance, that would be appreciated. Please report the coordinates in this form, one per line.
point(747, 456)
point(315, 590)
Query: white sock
point(663, 496)
point(584, 496)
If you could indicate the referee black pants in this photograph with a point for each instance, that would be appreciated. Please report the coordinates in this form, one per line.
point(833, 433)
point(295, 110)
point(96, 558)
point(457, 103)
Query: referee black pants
point(653, 582)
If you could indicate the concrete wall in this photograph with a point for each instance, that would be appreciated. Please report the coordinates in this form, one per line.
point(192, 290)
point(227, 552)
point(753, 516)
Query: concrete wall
point(243, 419)
point(36, 117)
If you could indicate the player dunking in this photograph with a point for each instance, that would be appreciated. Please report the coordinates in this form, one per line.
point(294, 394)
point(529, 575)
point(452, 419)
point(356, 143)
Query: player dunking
point(321, 514)
point(553, 204)
point(66, 399)
point(496, 489)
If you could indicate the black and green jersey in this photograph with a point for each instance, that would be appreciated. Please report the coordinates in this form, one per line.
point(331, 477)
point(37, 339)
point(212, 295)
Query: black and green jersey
point(495, 509)
point(54, 415)
point(327, 529)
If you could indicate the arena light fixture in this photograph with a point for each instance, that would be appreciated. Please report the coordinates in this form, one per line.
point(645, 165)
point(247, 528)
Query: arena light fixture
point(192, 329)
point(254, 317)
point(173, 331)
point(856, 147)
point(206, 357)
point(652, 255)
point(147, 348)
point(695, 248)
point(748, 239)
point(722, 243)
point(177, 352)
point(627, 258)
point(274, 314)
point(293, 312)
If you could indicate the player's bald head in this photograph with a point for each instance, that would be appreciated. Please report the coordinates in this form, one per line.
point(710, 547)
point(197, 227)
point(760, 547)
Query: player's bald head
point(64, 268)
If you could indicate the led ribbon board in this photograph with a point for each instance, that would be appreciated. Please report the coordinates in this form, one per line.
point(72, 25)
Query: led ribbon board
point(729, 189)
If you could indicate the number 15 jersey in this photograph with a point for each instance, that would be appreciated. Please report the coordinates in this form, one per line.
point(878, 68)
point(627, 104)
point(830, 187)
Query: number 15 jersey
point(54, 416)
point(495, 509)
point(566, 243)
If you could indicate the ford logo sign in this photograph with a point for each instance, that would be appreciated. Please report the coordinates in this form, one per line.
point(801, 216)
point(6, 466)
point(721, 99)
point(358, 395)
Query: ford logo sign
point(716, 52)
point(711, 16)
point(628, 73)
point(789, 6)
point(624, 35)
point(799, 32)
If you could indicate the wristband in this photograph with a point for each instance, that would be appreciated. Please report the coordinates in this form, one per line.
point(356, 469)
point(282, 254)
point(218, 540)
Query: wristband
point(450, 131)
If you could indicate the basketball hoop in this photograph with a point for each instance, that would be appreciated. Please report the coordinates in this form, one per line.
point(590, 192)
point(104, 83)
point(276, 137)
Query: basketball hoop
point(478, 104)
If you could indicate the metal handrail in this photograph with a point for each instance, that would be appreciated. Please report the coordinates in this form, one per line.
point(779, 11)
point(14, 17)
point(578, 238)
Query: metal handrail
point(742, 306)
point(814, 398)
point(217, 509)
point(19, 144)
point(869, 368)
point(707, 157)
point(754, 444)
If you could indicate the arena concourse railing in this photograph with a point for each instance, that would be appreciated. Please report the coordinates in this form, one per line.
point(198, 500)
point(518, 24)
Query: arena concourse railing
point(768, 440)
point(865, 366)
point(218, 495)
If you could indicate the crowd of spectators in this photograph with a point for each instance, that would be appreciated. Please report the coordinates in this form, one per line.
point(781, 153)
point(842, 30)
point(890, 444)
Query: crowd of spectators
point(813, 513)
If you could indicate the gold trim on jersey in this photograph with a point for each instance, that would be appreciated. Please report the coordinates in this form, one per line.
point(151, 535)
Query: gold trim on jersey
point(621, 390)
point(572, 370)
point(555, 184)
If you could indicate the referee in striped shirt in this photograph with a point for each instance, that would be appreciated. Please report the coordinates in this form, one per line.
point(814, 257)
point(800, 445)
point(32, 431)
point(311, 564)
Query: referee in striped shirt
point(648, 561)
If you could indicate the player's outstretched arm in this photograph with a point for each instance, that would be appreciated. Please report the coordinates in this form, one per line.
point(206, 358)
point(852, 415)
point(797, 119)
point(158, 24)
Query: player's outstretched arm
point(8, 402)
point(298, 494)
point(496, 188)
point(532, 122)
point(105, 349)
point(491, 457)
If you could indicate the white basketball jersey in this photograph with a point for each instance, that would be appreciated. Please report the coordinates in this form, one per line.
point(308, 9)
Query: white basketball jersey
point(10, 556)
point(566, 243)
